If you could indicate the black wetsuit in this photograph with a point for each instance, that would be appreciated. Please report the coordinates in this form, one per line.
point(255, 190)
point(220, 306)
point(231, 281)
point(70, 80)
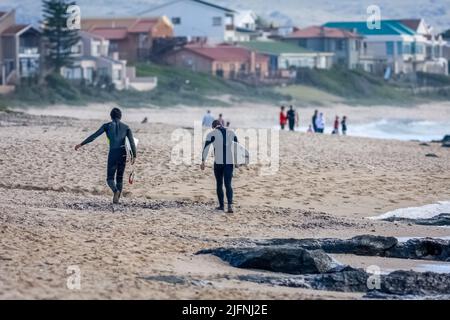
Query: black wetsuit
point(344, 127)
point(291, 119)
point(116, 132)
point(314, 123)
point(222, 140)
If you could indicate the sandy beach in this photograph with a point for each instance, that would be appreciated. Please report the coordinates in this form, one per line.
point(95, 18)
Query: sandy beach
point(55, 209)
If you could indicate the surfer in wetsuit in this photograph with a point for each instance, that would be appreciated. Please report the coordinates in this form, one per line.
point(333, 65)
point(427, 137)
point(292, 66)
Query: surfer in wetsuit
point(117, 132)
point(222, 139)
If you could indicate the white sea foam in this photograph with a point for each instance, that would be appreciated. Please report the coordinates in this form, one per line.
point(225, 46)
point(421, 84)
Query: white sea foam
point(405, 239)
point(424, 212)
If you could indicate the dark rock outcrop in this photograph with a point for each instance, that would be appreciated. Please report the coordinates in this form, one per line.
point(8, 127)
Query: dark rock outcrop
point(366, 245)
point(292, 260)
point(393, 285)
point(431, 155)
point(442, 219)
point(421, 249)
point(352, 280)
point(312, 268)
point(415, 283)
point(347, 280)
point(369, 245)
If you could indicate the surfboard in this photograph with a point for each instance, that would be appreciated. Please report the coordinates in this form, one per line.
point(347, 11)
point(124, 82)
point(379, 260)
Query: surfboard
point(128, 146)
point(130, 156)
point(241, 155)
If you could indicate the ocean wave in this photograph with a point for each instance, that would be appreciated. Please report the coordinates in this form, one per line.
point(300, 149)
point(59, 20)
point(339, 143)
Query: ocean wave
point(424, 212)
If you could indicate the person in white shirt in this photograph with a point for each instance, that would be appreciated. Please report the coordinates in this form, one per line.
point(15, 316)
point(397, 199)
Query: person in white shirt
point(320, 123)
point(207, 119)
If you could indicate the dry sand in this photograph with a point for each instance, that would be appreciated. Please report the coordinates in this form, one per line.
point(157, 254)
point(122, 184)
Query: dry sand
point(55, 210)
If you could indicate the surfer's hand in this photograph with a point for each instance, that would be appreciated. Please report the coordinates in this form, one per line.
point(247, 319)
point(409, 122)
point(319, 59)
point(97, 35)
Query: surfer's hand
point(202, 166)
point(78, 146)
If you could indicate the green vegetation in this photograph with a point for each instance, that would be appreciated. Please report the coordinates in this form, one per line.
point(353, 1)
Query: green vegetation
point(309, 95)
point(2, 105)
point(59, 38)
point(356, 86)
point(175, 86)
point(193, 88)
point(183, 87)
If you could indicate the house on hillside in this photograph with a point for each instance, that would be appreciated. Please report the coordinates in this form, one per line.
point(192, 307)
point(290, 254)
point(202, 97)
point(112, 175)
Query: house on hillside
point(436, 60)
point(131, 38)
point(200, 21)
point(20, 51)
point(93, 65)
point(225, 61)
point(345, 45)
point(394, 48)
point(285, 57)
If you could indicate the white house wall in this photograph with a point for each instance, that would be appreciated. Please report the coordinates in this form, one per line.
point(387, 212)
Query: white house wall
point(196, 20)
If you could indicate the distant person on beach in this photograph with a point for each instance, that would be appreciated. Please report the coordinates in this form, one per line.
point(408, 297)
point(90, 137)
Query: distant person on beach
point(314, 120)
point(310, 129)
point(344, 125)
point(320, 123)
point(222, 122)
point(222, 140)
point(207, 119)
point(283, 118)
point(336, 125)
point(116, 132)
point(292, 118)
point(145, 120)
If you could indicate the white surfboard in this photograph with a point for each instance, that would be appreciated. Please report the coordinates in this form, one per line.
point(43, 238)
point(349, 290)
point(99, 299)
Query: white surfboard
point(128, 146)
point(132, 176)
point(241, 155)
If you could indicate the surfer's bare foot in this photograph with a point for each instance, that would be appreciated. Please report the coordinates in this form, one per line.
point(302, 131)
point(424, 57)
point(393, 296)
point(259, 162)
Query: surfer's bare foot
point(116, 197)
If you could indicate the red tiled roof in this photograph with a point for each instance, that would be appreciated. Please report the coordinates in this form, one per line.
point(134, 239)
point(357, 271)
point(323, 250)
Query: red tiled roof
point(110, 33)
point(143, 25)
point(14, 29)
point(224, 53)
point(321, 32)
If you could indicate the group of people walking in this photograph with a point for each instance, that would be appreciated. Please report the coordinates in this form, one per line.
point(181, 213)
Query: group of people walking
point(118, 133)
point(221, 138)
point(317, 122)
point(208, 120)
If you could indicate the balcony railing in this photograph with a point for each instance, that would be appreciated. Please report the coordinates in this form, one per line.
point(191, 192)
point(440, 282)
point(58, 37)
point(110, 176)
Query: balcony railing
point(29, 50)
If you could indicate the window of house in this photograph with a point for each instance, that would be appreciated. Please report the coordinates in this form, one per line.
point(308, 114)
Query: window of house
point(413, 48)
point(340, 45)
point(217, 21)
point(176, 20)
point(390, 48)
point(407, 48)
point(400, 47)
point(420, 49)
point(113, 47)
point(117, 75)
point(76, 49)
point(303, 43)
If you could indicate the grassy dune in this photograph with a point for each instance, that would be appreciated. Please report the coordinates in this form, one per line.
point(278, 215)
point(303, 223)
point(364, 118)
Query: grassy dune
point(183, 87)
